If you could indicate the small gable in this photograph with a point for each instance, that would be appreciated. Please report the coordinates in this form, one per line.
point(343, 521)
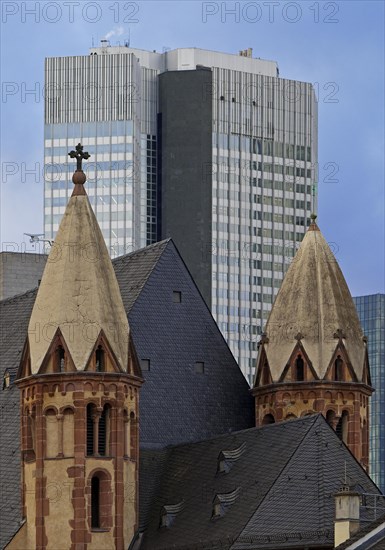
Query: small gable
point(340, 368)
point(299, 368)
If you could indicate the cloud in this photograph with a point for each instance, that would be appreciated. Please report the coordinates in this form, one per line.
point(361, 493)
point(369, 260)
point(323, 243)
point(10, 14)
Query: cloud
point(117, 31)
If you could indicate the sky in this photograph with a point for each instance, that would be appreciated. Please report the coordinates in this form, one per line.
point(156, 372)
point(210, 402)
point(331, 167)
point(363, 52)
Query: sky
point(337, 46)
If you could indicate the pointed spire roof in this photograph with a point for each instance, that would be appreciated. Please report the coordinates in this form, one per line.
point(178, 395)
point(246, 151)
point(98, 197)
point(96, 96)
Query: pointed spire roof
point(314, 304)
point(78, 294)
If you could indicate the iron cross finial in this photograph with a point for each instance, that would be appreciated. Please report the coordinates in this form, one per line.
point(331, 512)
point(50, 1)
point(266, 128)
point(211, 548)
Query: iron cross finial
point(79, 155)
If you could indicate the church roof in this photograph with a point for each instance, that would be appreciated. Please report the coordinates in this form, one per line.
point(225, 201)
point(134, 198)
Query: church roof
point(314, 302)
point(78, 293)
point(177, 404)
point(279, 492)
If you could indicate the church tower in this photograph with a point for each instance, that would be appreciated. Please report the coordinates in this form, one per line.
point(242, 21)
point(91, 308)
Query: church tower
point(312, 356)
point(79, 382)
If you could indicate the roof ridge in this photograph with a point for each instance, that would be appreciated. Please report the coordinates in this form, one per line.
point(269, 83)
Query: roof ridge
point(257, 428)
point(18, 296)
point(141, 250)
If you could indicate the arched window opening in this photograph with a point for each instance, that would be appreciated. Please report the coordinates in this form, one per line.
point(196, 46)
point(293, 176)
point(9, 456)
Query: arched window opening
point(90, 429)
point(100, 500)
point(331, 419)
point(299, 369)
point(52, 434)
point(268, 419)
point(133, 436)
point(338, 369)
point(342, 427)
point(95, 503)
point(99, 356)
point(365, 444)
point(104, 431)
point(290, 416)
point(126, 432)
point(30, 434)
point(68, 432)
point(60, 359)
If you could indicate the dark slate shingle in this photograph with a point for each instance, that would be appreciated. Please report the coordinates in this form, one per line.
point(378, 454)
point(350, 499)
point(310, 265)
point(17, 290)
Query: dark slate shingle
point(287, 475)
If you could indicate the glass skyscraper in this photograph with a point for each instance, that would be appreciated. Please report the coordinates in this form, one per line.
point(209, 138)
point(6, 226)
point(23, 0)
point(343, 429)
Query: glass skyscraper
point(371, 311)
point(214, 150)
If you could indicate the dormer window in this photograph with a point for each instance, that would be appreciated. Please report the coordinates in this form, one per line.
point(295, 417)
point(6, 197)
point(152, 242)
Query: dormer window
point(99, 356)
point(60, 358)
point(299, 369)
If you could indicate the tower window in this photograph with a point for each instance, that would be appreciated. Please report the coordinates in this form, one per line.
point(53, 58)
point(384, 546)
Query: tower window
point(95, 503)
point(104, 432)
point(133, 436)
point(268, 419)
point(60, 359)
point(338, 369)
point(299, 369)
point(100, 500)
point(99, 356)
point(90, 429)
point(342, 427)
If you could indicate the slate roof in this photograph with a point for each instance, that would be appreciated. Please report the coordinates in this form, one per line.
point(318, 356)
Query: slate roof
point(14, 318)
point(182, 405)
point(176, 403)
point(286, 480)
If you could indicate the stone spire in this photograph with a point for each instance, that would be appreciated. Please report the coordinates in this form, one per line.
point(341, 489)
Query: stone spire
point(314, 306)
point(79, 295)
point(312, 357)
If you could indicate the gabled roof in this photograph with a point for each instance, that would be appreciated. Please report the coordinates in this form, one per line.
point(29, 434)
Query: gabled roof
point(314, 302)
point(286, 480)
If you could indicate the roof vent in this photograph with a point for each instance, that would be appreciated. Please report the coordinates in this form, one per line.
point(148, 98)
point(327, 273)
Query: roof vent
point(227, 459)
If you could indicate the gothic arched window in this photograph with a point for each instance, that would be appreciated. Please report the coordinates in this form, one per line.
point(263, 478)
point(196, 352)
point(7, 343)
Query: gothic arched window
point(338, 369)
point(299, 369)
point(95, 503)
point(104, 431)
point(99, 356)
point(342, 427)
point(100, 500)
point(268, 419)
point(60, 359)
point(90, 429)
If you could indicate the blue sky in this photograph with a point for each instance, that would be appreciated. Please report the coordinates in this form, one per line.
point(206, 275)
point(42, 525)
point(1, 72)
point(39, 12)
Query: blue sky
point(338, 46)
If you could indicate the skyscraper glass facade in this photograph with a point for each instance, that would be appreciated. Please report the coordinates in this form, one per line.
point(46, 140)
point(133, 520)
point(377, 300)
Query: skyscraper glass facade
point(262, 184)
point(371, 312)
